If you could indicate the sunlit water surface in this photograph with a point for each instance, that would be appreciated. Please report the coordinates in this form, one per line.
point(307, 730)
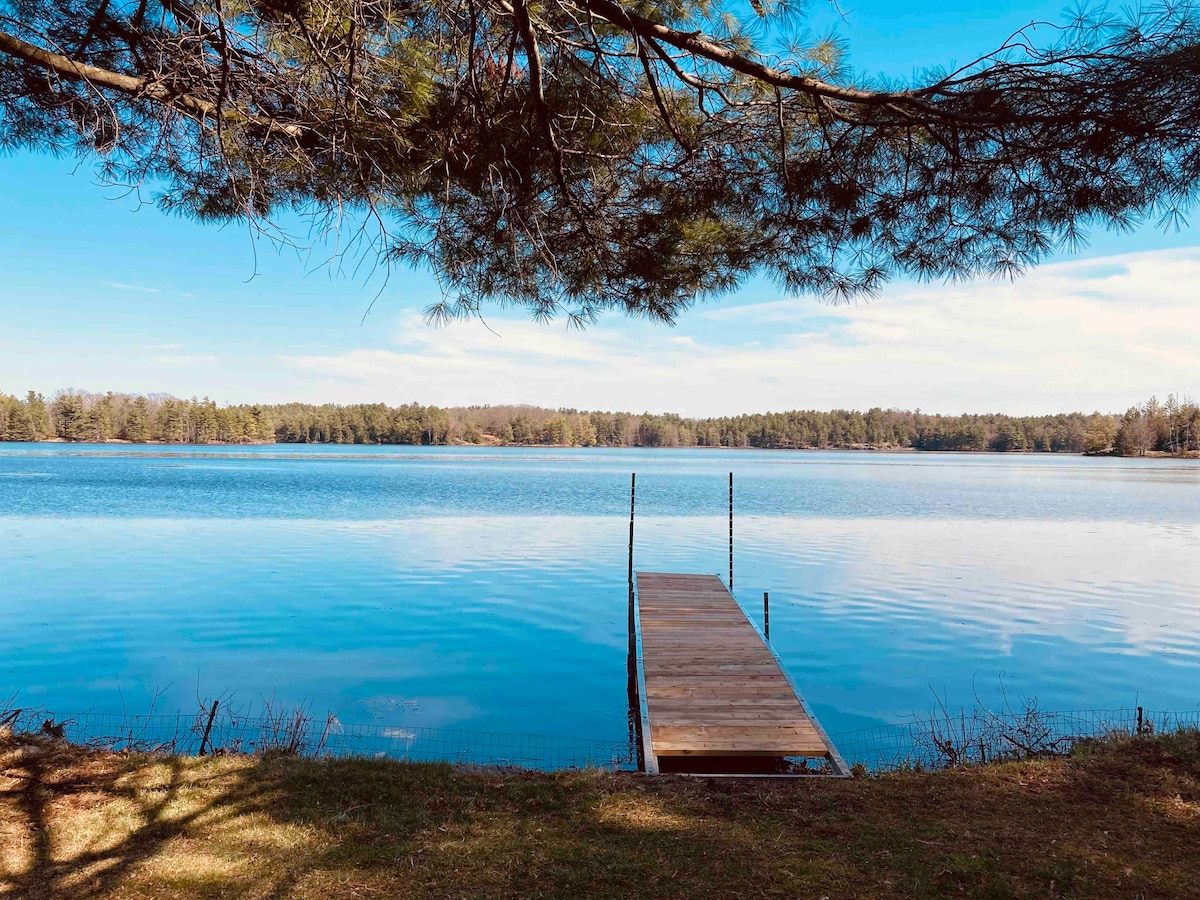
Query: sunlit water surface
point(485, 589)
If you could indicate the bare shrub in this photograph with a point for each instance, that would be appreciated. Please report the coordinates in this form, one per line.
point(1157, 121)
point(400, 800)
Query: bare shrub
point(1015, 730)
point(10, 715)
point(1026, 731)
point(949, 740)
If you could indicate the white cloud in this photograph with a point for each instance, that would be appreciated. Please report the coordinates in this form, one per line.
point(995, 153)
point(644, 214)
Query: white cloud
point(130, 287)
point(1100, 333)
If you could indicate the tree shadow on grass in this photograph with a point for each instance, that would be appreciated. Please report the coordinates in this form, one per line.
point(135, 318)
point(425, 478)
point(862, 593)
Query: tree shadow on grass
point(80, 824)
point(43, 777)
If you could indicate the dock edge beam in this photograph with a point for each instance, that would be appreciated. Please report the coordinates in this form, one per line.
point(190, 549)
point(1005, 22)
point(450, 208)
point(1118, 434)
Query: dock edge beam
point(649, 760)
point(840, 769)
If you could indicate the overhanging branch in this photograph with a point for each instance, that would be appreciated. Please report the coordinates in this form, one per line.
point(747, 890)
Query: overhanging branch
point(700, 45)
point(142, 88)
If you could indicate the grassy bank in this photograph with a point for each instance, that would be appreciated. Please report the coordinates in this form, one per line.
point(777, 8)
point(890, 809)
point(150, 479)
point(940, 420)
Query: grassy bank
point(1118, 819)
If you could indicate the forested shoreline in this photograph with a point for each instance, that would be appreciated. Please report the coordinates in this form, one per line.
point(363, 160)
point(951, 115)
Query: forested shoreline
point(1171, 427)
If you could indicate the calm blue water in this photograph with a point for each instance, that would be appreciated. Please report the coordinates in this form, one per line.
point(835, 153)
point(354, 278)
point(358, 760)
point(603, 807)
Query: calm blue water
point(485, 588)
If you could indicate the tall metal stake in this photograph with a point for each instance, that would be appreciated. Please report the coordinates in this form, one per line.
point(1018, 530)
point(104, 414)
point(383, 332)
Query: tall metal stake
point(730, 531)
point(635, 715)
point(632, 499)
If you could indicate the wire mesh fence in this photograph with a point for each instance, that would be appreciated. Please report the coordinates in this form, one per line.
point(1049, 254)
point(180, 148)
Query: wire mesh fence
point(938, 740)
point(972, 736)
point(295, 732)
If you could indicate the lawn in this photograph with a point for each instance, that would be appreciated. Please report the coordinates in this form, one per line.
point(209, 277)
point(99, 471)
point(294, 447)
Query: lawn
point(1117, 819)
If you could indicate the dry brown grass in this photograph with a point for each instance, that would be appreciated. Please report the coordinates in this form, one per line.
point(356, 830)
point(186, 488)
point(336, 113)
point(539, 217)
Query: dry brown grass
point(1120, 820)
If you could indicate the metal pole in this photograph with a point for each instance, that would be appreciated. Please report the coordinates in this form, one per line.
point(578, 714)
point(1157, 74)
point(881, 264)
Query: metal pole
point(731, 531)
point(766, 616)
point(635, 709)
point(632, 498)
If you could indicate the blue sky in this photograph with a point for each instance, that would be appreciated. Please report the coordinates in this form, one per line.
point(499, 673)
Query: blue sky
point(96, 293)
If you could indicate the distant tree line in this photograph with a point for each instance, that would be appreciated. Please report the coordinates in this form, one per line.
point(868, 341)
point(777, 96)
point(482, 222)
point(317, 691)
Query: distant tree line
point(1171, 427)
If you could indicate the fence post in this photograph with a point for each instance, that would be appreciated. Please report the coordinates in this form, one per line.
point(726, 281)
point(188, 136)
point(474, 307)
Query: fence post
point(766, 616)
point(212, 714)
point(1139, 725)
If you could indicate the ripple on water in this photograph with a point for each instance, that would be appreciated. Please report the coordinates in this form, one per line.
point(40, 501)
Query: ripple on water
point(492, 593)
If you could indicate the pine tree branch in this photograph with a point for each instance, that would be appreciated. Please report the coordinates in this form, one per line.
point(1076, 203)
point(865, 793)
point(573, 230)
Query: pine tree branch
point(143, 88)
point(699, 44)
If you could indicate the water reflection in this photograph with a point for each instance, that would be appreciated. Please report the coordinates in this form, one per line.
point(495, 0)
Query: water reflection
point(505, 609)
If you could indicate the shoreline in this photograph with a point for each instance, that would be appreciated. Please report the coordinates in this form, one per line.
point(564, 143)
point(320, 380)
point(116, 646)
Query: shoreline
point(864, 449)
point(1172, 426)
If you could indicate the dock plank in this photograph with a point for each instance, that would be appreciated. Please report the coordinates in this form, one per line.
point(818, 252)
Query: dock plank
point(712, 687)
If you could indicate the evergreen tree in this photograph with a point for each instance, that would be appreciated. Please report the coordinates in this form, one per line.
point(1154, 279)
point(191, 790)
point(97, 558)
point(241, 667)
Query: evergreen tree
point(170, 424)
point(39, 416)
point(98, 420)
point(20, 425)
point(137, 422)
point(585, 431)
point(1133, 437)
point(69, 416)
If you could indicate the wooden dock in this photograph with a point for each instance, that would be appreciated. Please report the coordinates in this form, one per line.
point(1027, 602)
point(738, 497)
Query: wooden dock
point(712, 690)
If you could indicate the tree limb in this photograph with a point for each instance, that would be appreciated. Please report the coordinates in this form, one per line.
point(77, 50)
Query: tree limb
point(139, 88)
point(700, 45)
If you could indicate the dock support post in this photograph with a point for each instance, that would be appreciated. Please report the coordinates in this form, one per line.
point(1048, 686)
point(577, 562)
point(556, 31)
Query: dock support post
point(632, 498)
point(731, 532)
point(766, 616)
point(633, 696)
point(635, 712)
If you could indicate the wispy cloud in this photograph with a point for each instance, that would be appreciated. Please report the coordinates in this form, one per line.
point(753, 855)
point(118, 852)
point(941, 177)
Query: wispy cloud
point(120, 286)
point(1080, 335)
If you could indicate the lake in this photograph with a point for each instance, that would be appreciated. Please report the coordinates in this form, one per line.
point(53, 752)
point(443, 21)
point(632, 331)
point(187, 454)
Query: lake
point(485, 588)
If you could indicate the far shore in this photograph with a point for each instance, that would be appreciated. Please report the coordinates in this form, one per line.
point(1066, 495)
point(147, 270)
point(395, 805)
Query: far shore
point(858, 448)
